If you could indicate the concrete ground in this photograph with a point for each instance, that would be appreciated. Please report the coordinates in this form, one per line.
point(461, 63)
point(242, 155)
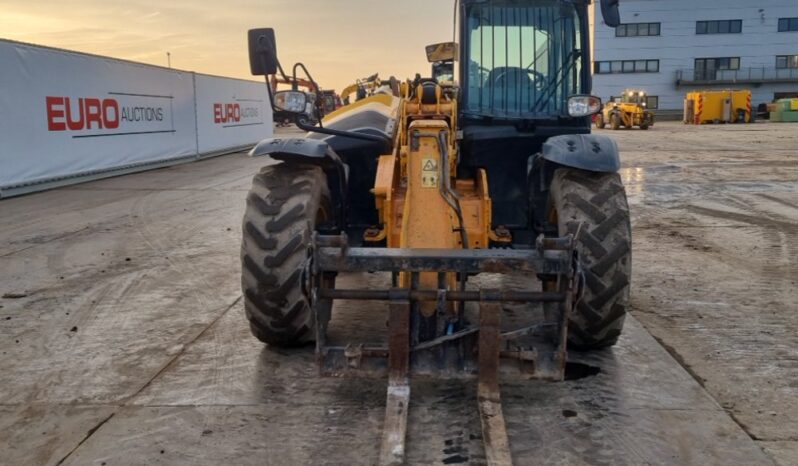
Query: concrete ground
point(123, 340)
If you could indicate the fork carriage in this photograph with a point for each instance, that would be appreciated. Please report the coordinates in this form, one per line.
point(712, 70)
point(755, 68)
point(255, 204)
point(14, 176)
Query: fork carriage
point(537, 350)
point(453, 347)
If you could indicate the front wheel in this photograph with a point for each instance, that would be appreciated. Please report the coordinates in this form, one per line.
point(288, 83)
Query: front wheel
point(284, 207)
point(593, 206)
point(600, 124)
point(615, 121)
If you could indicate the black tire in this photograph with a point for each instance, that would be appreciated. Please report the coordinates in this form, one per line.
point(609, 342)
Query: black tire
point(644, 126)
point(600, 124)
point(615, 121)
point(284, 206)
point(597, 202)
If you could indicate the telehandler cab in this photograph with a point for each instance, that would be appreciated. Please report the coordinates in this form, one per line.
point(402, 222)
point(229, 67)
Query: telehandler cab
point(495, 171)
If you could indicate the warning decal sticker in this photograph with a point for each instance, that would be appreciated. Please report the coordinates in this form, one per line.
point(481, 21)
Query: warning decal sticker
point(429, 173)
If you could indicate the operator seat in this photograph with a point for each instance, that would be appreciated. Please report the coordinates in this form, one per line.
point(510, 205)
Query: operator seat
point(509, 84)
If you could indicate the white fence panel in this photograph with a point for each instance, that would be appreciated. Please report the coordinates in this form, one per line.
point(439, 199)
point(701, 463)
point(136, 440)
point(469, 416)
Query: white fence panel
point(66, 114)
point(231, 113)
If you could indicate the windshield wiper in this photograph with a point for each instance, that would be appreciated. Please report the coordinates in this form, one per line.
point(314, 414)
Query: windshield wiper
point(561, 73)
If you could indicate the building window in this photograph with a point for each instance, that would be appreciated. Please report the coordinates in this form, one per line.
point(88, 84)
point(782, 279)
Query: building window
point(788, 24)
point(726, 26)
point(652, 102)
point(626, 66)
point(707, 68)
point(637, 30)
point(728, 63)
point(787, 61)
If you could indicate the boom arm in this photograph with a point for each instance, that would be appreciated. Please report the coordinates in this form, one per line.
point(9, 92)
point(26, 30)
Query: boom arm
point(369, 84)
point(295, 83)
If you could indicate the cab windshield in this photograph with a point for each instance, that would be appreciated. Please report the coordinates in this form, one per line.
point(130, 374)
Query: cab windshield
point(522, 61)
point(633, 98)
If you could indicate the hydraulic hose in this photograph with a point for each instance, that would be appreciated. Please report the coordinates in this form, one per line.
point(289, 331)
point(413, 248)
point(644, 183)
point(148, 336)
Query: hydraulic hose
point(451, 197)
point(446, 188)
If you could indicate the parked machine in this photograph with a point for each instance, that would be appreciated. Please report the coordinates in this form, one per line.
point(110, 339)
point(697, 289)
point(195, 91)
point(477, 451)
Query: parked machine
point(723, 106)
point(330, 101)
point(628, 110)
point(313, 110)
point(784, 110)
point(362, 88)
point(437, 185)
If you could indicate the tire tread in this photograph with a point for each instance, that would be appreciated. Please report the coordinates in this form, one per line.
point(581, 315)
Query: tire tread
point(280, 215)
point(595, 205)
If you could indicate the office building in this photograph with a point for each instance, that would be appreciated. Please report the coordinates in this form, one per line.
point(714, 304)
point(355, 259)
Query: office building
point(670, 47)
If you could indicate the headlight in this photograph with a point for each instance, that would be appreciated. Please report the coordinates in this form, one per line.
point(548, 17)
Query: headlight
point(583, 105)
point(291, 101)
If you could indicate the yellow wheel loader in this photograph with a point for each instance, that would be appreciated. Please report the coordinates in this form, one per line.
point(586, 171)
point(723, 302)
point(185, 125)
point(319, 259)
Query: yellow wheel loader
point(494, 171)
point(628, 110)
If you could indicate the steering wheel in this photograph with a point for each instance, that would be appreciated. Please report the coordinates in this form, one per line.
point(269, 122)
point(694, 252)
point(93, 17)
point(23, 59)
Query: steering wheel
point(537, 77)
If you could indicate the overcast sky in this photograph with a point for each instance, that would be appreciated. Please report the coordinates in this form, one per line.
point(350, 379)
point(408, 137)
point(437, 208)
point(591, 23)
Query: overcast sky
point(339, 40)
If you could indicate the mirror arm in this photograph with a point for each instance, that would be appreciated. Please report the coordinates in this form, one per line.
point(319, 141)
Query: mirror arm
point(317, 129)
point(271, 94)
point(282, 73)
point(307, 73)
point(269, 84)
point(269, 91)
point(316, 90)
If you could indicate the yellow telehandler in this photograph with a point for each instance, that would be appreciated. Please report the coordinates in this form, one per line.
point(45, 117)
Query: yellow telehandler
point(494, 171)
point(628, 110)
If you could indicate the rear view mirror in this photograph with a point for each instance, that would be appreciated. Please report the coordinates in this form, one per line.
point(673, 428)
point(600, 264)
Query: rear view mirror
point(262, 52)
point(291, 101)
point(610, 13)
point(445, 51)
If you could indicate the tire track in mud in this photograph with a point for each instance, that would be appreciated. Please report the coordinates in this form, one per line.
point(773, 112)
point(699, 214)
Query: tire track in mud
point(779, 232)
point(143, 220)
point(174, 358)
point(778, 200)
point(744, 218)
point(172, 249)
point(151, 379)
point(37, 241)
point(80, 317)
point(749, 333)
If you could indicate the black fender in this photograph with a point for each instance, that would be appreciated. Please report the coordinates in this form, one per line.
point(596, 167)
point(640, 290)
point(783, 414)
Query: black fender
point(306, 151)
point(592, 152)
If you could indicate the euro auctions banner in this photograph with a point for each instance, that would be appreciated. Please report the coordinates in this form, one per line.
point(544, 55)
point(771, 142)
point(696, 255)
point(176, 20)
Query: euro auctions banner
point(65, 114)
point(231, 113)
